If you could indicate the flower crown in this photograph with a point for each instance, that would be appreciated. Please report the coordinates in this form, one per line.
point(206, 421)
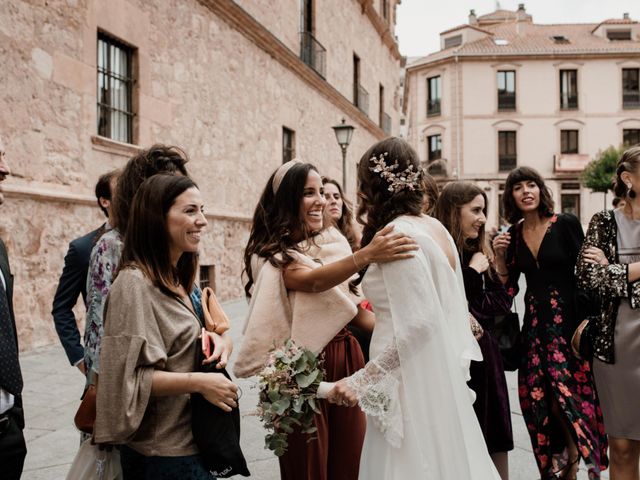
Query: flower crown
point(408, 178)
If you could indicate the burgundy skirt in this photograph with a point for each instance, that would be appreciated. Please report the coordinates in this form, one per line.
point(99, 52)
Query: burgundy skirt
point(334, 451)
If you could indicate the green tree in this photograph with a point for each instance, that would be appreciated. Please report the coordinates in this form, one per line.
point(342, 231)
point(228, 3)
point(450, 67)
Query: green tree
point(599, 173)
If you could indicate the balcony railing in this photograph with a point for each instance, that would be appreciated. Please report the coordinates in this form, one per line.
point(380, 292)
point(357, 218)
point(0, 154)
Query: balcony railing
point(362, 100)
point(570, 162)
point(506, 163)
point(569, 102)
point(631, 100)
point(313, 53)
point(506, 101)
point(433, 107)
point(435, 167)
point(385, 123)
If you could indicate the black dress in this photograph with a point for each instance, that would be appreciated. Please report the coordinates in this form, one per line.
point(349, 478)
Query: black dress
point(548, 368)
point(487, 298)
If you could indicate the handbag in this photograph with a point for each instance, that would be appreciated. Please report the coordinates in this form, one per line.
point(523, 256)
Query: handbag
point(93, 462)
point(582, 341)
point(216, 432)
point(506, 331)
point(215, 320)
point(86, 415)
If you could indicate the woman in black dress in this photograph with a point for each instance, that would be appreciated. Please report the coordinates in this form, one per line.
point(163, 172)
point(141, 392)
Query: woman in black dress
point(556, 389)
point(462, 209)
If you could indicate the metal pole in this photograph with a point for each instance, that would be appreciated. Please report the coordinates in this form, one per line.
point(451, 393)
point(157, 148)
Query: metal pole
point(344, 169)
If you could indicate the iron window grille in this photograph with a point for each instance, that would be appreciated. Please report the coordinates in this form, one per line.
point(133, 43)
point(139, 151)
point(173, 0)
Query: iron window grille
point(115, 89)
point(631, 87)
point(631, 136)
point(506, 90)
point(507, 151)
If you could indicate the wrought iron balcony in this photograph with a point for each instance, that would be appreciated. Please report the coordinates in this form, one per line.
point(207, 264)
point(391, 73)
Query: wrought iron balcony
point(506, 163)
point(433, 107)
point(631, 100)
point(570, 162)
point(362, 99)
point(569, 102)
point(385, 123)
point(313, 53)
point(506, 101)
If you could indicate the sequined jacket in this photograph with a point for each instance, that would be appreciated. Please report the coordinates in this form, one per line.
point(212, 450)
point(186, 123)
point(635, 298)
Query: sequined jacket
point(608, 282)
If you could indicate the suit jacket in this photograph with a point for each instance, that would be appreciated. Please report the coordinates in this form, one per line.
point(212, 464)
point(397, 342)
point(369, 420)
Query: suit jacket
point(8, 278)
point(72, 283)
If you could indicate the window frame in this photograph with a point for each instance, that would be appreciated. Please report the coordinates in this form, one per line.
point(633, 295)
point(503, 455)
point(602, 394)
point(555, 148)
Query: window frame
point(631, 97)
point(569, 141)
point(506, 99)
point(288, 150)
point(434, 105)
point(110, 113)
point(628, 132)
point(507, 161)
point(569, 101)
point(431, 154)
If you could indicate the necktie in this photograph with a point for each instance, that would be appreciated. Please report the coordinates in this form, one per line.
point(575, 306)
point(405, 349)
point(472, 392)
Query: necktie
point(10, 376)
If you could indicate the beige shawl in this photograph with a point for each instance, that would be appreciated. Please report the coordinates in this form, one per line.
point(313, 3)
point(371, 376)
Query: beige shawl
point(310, 319)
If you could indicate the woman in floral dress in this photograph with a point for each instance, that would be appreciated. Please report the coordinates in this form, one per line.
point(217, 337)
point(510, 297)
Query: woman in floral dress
point(556, 389)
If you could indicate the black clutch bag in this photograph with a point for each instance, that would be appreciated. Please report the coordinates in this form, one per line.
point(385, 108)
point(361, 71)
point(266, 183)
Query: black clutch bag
point(216, 432)
point(506, 331)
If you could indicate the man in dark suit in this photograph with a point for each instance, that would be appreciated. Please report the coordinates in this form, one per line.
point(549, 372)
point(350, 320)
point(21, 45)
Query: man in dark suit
point(73, 281)
point(12, 445)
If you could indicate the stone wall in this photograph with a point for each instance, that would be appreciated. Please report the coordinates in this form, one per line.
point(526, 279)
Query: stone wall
point(203, 83)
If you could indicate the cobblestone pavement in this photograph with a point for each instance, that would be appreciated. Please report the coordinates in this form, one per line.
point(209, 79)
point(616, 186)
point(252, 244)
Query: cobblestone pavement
point(53, 388)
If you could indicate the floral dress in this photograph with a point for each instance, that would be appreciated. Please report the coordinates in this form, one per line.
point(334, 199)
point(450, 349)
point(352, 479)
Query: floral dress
point(103, 263)
point(548, 368)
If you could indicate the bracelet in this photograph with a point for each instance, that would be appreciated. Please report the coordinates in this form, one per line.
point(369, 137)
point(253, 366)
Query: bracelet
point(353, 257)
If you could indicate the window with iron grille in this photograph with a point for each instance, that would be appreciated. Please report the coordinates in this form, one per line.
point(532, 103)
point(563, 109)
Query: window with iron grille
point(569, 141)
point(568, 89)
point(434, 95)
point(631, 136)
point(115, 89)
point(288, 144)
point(507, 151)
point(631, 87)
point(435, 147)
point(506, 90)
point(207, 277)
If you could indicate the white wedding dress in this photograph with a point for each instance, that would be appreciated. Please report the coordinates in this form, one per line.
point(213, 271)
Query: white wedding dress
point(420, 419)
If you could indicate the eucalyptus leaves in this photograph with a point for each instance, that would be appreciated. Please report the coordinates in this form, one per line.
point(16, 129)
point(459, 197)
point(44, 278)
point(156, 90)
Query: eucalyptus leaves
point(288, 386)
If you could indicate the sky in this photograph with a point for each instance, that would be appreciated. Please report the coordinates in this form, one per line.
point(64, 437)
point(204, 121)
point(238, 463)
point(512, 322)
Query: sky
point(419, 22)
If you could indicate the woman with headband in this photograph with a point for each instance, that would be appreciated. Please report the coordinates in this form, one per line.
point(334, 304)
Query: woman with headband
point(297, 278)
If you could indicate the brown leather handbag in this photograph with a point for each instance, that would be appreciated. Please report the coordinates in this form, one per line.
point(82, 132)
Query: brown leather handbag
point(215, 320)
point(86, 414)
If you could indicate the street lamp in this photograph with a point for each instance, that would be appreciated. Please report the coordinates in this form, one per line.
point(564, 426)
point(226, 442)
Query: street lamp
point(343, 136)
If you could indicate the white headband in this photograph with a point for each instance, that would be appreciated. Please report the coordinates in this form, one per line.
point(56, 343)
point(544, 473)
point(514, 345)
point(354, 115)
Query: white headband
point(281, 172)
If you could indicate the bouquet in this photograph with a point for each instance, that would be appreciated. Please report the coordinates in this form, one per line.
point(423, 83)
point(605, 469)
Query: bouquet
point(288, 391)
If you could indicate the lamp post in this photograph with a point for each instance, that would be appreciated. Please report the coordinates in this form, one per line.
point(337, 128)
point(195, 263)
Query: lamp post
point(343, 136)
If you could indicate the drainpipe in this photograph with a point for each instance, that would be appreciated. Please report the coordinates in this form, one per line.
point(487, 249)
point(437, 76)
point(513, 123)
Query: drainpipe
point(457, 170)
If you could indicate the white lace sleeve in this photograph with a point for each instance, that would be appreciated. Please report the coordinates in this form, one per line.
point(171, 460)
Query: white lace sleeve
point(378, 389)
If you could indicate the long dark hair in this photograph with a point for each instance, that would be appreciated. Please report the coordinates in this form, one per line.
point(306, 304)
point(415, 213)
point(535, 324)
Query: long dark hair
point(525, 174)
point(453, 197)
point(345, 223)
point(147, 244)
point(277, 226)
point(157, 159)
point(378, 205)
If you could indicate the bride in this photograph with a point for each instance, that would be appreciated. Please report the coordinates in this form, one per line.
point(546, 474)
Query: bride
point(420, 418)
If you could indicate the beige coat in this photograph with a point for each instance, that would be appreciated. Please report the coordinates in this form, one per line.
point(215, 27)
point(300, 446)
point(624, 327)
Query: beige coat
point(310, 319)
point(144, 330)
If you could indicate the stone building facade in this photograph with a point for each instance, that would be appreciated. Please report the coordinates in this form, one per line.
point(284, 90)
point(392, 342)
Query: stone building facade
point(239, 85)
point(504, 91)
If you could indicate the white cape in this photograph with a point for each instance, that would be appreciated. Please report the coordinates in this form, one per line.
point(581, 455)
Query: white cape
point(420, 418)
